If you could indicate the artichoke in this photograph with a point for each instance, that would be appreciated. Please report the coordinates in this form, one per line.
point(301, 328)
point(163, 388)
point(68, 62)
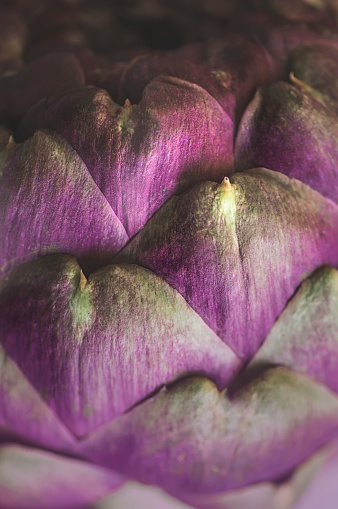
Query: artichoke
point(169, 254)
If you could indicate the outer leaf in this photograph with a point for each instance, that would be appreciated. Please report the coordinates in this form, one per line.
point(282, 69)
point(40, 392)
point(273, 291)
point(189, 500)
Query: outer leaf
point(49, 203)
point(192, 438)
point(237, 252)
point(286, 129)
point(94, 349)
point(31, 478)
point(244, 63)
point(316, 475)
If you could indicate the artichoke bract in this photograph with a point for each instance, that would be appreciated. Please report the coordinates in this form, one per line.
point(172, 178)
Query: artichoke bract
point(169, 254)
